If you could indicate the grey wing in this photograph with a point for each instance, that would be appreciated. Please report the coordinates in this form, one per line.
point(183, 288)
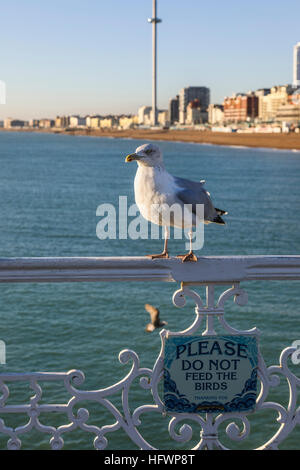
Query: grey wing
point(191, 192)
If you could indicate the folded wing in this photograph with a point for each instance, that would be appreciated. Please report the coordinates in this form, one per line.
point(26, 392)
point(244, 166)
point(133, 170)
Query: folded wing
point(193, 193)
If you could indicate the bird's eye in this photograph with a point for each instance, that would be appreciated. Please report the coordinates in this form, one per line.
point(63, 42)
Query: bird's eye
point(148, 151)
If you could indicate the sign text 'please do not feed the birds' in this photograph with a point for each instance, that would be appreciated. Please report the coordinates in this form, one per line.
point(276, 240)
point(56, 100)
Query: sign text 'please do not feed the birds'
point(210, 373)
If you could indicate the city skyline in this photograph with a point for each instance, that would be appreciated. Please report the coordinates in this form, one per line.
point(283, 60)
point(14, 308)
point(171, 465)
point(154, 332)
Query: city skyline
point(96, 58)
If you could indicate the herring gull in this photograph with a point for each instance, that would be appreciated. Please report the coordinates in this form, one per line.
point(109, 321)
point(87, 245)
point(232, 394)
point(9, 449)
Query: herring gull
point(155, 187)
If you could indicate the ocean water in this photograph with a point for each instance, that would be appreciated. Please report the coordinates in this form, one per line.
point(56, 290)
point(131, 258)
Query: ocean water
point(50, 188)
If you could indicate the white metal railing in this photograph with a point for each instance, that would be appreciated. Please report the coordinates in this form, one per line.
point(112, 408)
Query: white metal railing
point(209, 271)
point(216, 269)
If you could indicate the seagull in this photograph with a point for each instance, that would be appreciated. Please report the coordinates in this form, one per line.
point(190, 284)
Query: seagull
point(155, 188)
point(155, 320)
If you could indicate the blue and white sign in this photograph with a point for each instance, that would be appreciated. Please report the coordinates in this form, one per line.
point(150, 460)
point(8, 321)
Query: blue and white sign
point(206, 374)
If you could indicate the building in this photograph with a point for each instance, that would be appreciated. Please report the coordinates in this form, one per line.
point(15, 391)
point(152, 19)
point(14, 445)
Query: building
point(296, 71)
point(108, 122)
point(93, 121)
point(46, 123)
point(174, 110)
point(289, 113)
point(34, 123)
point(195, 114)
point(10, 122)
point(61, 122)
point(144, 115)
point(295, 97)
point(278, 96)
point(240, 108)
point(186, 95)
point(163, 118)
point(215, 114)
point(77, 121)
point(260, 93)
point(127, 122)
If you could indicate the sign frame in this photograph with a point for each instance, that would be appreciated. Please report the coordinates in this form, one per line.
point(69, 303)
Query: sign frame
point(219, 371)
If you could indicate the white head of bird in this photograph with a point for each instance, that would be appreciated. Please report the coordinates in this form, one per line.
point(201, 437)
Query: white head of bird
point(147, 155)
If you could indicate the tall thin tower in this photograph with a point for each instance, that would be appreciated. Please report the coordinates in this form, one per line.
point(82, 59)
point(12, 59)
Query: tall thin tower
point(154, 20)
point(296, 77)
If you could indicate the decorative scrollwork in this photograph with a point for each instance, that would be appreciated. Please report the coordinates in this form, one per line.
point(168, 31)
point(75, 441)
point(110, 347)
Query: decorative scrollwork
point(129, 420)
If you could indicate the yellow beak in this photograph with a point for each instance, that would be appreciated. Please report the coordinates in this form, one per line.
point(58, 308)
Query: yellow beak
point(131, 157)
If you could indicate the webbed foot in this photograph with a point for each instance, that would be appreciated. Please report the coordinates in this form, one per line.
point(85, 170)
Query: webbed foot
point(164, 254)
point(188, 257)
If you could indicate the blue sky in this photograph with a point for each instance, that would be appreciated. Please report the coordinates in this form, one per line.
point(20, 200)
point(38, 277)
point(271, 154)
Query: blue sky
point(94, 56)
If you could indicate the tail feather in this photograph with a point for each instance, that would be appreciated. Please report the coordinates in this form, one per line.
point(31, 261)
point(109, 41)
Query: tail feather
point(220, 211)
point(219, 220)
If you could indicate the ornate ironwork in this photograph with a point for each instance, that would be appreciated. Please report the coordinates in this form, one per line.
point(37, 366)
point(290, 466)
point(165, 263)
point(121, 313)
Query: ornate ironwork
point(238, 429)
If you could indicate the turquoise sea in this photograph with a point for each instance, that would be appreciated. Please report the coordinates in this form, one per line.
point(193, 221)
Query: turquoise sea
point(50, 188)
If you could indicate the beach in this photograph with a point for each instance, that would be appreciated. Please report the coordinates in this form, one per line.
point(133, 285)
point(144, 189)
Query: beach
point(289, 141)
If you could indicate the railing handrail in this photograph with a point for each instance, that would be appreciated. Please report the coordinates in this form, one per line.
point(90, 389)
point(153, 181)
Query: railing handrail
point(216, 269)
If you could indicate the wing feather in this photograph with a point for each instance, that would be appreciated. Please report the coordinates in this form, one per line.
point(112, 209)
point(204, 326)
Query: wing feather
point(193, 193)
